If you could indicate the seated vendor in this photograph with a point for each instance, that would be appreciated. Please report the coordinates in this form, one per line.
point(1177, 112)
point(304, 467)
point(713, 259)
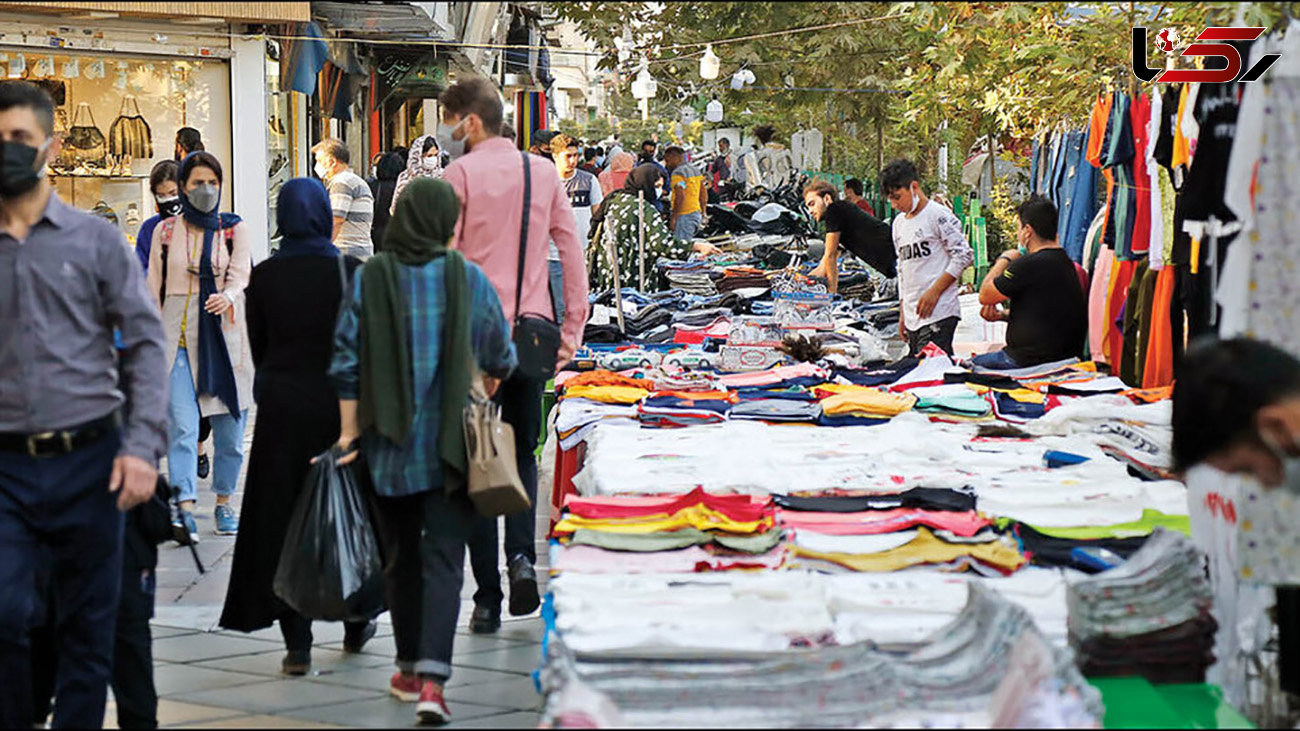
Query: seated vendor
point(1048, 318)
point(866, 236)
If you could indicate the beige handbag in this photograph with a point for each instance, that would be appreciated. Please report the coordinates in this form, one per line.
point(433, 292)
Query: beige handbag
point(492, 475)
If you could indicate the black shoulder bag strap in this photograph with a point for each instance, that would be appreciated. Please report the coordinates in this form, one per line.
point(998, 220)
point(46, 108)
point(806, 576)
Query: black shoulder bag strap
point(523, 231)
point(537, 339)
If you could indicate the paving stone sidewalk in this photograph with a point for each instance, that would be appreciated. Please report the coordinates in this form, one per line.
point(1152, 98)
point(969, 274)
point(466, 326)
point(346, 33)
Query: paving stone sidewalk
point(212, 678)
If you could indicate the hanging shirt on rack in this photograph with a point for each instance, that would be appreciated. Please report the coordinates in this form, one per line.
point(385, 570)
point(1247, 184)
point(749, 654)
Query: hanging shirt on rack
point(1139, 118)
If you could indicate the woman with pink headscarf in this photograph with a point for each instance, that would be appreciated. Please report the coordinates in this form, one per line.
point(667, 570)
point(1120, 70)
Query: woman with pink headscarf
point(615, 175)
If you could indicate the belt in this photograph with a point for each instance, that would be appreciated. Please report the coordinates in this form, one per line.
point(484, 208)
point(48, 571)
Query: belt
point(61, 441)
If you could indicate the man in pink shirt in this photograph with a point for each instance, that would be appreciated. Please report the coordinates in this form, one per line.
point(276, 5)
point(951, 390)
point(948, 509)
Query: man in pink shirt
point(488, 176)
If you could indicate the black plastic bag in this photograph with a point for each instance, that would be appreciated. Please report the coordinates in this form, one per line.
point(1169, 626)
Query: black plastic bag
point(330, 568)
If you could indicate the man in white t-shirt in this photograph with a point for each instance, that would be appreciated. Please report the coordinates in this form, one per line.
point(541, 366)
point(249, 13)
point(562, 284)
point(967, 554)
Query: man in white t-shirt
point(932, 254)
point(584, 195)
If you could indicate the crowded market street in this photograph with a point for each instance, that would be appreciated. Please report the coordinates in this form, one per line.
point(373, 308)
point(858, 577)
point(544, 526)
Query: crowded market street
point(649, 365)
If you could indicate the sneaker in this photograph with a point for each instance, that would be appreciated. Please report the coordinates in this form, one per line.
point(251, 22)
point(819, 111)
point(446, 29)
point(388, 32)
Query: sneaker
point(431, 709)
point(405, 688)
point(205, 467)
point(523, 587)
point(484, 621)
point(185, 530)
point(355, 639)
point(296, 662)
point(227, 523)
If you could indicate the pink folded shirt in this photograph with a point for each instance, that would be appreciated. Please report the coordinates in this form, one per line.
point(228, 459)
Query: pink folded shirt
point(882, 521)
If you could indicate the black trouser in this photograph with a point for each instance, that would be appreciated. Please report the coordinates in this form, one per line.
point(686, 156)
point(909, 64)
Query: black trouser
point(521, 408)
point(56, 512)
point(940, 333)
point(205, 429)
point(133, 687)
point(1287, 612)
point(424, 540)
point(296, 630)
point(132, 679)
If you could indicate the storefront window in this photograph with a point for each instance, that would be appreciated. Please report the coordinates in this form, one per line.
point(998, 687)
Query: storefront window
point(279, 136)
point(118, 115)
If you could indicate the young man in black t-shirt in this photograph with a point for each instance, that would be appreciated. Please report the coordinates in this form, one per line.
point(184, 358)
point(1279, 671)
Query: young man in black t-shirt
point(1049, 311)
point(867, 237)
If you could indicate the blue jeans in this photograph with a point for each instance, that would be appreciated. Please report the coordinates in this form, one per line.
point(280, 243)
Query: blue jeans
point(183, 451)
point(557, 289)
point(687, 225)
point(997, 360)
point(58, 518)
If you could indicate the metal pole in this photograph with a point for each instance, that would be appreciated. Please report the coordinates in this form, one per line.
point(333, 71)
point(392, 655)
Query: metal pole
point(640, 240)
point(611, 250)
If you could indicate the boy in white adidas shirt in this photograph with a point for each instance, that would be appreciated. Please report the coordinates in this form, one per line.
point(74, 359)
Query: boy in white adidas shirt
point(932, 254)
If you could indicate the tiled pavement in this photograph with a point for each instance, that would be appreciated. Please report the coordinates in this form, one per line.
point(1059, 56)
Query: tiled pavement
point(212, 678)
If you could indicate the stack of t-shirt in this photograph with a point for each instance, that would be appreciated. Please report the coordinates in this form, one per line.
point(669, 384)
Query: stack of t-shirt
point(850, 405)
point(691, 532)
point(1150, 616)
point(685, 408)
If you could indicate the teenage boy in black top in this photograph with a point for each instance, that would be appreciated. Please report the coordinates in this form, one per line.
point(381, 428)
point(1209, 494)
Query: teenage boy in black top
point(867, 237)
point(1049, 312)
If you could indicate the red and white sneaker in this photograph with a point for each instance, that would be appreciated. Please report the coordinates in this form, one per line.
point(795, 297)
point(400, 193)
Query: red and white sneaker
point(405, 688)
point(432, 709)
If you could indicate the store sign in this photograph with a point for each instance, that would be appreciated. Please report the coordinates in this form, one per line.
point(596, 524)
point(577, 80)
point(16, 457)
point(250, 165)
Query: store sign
point(410, 75)
point(1217, 47)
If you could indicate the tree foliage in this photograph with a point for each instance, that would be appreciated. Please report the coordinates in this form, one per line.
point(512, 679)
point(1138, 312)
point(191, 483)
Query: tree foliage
point(999, 68)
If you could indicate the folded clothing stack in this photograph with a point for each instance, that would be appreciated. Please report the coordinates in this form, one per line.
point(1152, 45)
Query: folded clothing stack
point(857, 286)
point(690, 277)
point(777, 410)
point(742, 277)
point(691, 532)
point(860, 405)
point(1150, 616)
point(648, 676)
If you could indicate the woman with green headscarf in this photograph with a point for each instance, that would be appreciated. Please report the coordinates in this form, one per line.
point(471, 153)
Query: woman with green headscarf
point(421, 323)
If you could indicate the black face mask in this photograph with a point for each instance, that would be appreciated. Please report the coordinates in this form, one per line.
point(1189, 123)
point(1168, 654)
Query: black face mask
point(19, 172)
point(168, 207)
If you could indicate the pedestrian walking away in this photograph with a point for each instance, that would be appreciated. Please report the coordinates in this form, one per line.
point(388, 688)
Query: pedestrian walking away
point(77, 445)
point(198, 269)
point(420, 324)
point(383, 188)
point(292, 303)
point(490, 183)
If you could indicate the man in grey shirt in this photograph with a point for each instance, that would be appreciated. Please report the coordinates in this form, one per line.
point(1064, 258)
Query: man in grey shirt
point(350, 197)
point(75, 451)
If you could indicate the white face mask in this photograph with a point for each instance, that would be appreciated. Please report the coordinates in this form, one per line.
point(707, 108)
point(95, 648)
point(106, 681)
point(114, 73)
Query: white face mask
point(447, 142)
point(916, 200)
point(322, 170)
point(1290, 465)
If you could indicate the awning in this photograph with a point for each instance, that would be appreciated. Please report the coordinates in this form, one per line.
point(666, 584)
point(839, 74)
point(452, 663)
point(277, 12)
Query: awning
point(394, 21)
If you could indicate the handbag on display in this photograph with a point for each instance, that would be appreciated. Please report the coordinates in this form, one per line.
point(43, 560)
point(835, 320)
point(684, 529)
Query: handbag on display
point(129, 134)
point(536, 338)
point(492, 475)
point(85, 144)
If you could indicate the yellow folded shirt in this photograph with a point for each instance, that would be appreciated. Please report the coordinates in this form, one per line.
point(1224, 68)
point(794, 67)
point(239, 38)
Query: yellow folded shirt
point(608, 394)
point(696, 516)
point(1023, 395)
point(871, 402)
point(924, 549)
